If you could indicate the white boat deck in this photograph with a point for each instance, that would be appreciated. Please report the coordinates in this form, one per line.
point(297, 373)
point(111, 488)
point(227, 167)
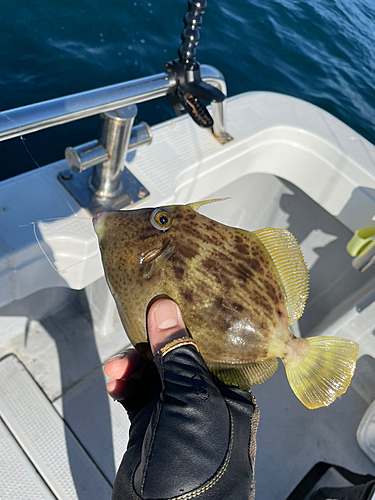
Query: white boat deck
point(291, 165)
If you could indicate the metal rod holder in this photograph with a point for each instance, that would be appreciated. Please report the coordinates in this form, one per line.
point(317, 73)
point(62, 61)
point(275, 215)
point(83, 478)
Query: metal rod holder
point(91, 153)
point(85, 156)
point(107, 186)
point(106, 178)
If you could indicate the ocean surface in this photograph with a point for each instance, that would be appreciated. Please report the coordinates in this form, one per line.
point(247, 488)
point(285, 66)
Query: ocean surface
point(318, 50)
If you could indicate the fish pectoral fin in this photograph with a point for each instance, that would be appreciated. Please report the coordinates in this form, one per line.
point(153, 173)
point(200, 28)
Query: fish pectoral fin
point(324, 372)
point(290, 264)
point(151, 267)
point(245, 376)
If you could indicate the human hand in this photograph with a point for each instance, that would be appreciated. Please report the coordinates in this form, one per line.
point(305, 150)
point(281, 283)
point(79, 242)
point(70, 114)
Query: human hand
point(188, 438)
point(164, 324)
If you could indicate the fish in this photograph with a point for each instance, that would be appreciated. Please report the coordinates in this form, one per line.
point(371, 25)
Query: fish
point(239, 292)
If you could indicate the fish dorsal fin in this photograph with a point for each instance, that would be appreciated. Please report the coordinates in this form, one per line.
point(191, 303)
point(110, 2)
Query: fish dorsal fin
point(245, 376)
point(290, 264)
point(198, 204)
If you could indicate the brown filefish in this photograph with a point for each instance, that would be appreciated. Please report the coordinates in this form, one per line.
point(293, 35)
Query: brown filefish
point(238, 291)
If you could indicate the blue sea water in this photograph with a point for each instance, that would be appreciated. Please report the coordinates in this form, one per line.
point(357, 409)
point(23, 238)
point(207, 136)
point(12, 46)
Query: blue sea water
point(318, 50)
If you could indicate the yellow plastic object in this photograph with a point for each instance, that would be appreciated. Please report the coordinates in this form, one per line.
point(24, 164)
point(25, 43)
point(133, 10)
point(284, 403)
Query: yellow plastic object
point(362, 240)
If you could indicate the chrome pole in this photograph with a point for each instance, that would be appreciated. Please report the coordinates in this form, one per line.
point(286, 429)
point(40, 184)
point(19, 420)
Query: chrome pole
point(106, 178)
point(35, 117)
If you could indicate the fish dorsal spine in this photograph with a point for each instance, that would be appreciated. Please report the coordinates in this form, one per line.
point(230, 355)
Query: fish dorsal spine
point(286, 254)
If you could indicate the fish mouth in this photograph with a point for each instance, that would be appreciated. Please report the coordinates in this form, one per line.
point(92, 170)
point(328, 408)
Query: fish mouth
point(98, 223)
point(97, 218)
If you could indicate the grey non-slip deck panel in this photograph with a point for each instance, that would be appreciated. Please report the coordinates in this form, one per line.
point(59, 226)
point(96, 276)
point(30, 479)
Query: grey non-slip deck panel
point(100, 424)
point(19, 479)
point(45, 439)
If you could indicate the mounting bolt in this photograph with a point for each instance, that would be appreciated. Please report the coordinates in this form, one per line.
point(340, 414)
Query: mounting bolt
point(66, 176)
point(142, 192)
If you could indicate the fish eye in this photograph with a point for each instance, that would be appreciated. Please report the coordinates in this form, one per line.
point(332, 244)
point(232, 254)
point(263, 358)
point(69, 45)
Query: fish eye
point(161, 219)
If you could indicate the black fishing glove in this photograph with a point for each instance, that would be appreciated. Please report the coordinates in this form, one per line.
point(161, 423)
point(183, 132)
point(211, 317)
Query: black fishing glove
point(188, 438)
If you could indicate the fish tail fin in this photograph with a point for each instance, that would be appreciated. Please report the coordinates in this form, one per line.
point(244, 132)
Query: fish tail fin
point(320, 368)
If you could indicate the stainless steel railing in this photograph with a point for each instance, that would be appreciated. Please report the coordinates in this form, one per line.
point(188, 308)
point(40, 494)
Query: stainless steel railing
point(108, 185)
point(35, 117)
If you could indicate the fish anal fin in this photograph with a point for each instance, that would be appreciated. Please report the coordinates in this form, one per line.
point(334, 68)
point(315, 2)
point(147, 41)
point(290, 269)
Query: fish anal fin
point(292, 269)
point(324, 372)
point(245, 376)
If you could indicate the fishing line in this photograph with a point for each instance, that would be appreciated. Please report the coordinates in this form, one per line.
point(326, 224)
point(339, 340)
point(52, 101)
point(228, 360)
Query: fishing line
point(83, 228)
point(58, 271)
point(23, 140)
point(57, 218)
point(33, 224)
point(42, 249)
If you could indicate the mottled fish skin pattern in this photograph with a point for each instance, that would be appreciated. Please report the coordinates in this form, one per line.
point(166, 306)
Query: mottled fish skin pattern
point(223, 279)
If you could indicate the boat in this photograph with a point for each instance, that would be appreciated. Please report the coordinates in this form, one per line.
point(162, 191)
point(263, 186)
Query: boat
point(284, 163)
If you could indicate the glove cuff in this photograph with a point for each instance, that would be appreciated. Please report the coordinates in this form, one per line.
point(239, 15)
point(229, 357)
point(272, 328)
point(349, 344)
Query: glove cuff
point(177, 343)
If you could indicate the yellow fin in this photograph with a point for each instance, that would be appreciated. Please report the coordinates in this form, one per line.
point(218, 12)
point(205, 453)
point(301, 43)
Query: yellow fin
point(290, 264)
point(325, 372)
point(245, 376)
point(198, 204)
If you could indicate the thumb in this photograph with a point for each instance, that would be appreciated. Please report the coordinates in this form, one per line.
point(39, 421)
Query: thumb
point(164, 324)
